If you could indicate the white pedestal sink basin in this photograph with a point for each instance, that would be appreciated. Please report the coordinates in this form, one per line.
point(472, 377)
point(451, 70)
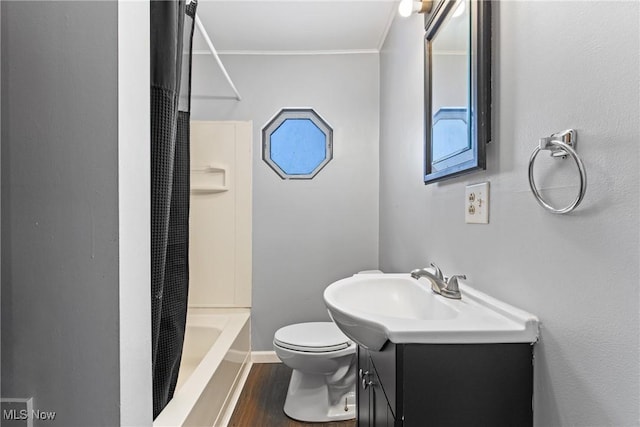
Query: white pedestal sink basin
point(374, 308)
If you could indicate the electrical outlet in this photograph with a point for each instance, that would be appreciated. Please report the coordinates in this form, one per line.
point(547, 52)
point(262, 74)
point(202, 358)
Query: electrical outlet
point(476, 203)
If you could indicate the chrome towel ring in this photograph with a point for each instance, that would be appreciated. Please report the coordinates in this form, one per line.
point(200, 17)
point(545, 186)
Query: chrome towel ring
point(561, 144)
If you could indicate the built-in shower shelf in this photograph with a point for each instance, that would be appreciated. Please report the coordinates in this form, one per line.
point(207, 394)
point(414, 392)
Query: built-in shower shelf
point(211, 188)
point(208, 190)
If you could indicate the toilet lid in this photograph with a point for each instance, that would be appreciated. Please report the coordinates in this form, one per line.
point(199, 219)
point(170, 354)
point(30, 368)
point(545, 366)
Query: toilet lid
point(313, 337)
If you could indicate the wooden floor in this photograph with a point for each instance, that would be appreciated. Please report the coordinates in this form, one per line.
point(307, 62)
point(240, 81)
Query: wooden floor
point(262, 400)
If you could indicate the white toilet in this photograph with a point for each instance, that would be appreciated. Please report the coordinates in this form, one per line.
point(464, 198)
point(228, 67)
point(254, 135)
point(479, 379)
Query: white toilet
point(323, 359)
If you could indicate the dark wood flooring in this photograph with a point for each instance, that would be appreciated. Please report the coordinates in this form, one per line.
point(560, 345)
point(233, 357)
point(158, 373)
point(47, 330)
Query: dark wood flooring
point(262, 400)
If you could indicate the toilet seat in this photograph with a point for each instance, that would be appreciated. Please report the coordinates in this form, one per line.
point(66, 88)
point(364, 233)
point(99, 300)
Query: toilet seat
point(312, 337)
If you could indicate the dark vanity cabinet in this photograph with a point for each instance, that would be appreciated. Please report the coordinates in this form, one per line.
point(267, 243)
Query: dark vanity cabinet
point(421, 385)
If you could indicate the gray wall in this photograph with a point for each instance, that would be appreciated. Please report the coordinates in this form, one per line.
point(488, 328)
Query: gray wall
point(556, 65)
point(60, 209)
point(306, 233)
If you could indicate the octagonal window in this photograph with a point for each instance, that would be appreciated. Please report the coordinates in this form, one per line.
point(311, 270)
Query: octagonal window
point(297, 143)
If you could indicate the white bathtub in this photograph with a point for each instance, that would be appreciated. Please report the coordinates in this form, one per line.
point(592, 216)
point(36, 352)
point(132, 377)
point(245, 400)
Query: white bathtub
point(216, 349)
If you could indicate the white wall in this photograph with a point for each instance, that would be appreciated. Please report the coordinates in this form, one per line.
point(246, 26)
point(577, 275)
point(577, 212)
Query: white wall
point(306, 233)
point(220, 223)
point(60, 340)
point(556, 65)
point(134, 213)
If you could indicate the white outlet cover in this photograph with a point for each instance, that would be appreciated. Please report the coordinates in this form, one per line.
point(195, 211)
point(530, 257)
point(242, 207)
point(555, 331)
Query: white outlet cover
point(476, 203)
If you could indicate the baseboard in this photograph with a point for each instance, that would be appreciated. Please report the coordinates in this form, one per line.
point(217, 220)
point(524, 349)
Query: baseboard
point(264, 357)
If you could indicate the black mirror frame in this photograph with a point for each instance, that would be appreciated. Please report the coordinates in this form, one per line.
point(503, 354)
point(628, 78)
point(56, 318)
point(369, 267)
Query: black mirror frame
point(480, 81)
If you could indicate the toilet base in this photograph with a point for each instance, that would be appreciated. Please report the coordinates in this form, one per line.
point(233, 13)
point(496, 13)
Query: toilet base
point(310, 399)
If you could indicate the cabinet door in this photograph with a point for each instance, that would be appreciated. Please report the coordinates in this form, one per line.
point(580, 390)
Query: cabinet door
point(385, 364)
point(363, 394)
point(381, 413)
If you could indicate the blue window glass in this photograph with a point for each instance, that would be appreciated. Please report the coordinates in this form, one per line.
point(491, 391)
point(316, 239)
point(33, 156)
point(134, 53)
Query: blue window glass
point(297, 143)
point(298, 146)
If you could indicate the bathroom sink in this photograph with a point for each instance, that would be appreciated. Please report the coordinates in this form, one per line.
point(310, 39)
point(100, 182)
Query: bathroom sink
point(372, 309)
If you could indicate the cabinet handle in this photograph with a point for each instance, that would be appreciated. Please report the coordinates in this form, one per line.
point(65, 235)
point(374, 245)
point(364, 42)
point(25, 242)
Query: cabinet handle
point(366, 384)
point(362, 373)
point(364, 377)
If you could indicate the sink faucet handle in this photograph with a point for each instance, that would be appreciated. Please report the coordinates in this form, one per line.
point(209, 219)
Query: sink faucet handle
point(451, 289)
point(452, 282)
point(438, 272)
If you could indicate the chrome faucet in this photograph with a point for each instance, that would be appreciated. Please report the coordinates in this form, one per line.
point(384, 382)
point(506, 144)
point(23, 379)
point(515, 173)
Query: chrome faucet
point(447, 287)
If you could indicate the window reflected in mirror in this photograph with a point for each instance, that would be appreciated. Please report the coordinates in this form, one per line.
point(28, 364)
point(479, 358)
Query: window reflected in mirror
point(450, 89)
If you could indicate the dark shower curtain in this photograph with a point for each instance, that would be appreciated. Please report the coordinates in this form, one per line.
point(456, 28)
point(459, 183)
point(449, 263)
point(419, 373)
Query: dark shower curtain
point(171, 35)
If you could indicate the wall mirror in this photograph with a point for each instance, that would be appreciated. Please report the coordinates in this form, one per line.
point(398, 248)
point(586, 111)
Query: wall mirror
point(457, 87)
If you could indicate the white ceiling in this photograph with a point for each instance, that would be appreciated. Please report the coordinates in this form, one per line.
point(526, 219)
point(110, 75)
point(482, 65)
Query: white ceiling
point(304, 26)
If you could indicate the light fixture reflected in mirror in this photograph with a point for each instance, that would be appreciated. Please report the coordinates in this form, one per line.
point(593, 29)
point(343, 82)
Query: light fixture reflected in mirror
point(407, 7)
point(459, 9)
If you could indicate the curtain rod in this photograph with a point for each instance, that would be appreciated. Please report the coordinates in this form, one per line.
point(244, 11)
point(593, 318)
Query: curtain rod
point(213, 50)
